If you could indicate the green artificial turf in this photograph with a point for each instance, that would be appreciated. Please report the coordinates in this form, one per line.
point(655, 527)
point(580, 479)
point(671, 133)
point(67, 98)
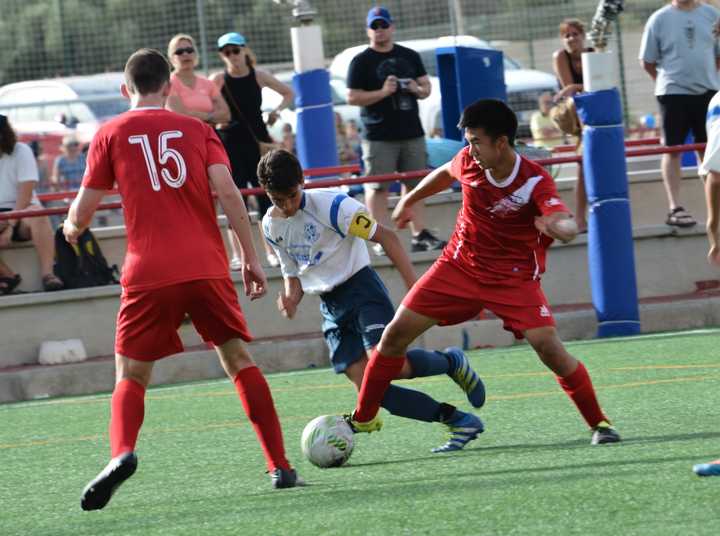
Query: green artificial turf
point(532, 472)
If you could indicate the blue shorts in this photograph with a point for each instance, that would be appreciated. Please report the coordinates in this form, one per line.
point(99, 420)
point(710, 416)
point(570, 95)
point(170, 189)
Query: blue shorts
point(355, 314)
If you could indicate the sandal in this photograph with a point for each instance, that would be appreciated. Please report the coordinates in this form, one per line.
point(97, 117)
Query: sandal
point(8, 284)
point(51, 282)
point(679, 217)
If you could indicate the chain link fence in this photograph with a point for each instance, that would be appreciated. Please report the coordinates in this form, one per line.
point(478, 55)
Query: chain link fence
point(49, 38)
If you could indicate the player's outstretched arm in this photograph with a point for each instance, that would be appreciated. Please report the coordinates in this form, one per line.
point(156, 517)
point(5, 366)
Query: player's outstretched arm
point(558, 225)
point(81, 212)
point(434, 182)
point(289, 298)
point(712, 199)
point(232, 203)
point(396, 253)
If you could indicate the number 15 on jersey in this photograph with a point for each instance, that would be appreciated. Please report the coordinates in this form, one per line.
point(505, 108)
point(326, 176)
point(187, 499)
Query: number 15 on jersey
point(165, 153)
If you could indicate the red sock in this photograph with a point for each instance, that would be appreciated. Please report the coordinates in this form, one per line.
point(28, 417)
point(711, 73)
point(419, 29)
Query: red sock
point(579, 388)
point(257, 401)
point(127, 411)
point(380, 371)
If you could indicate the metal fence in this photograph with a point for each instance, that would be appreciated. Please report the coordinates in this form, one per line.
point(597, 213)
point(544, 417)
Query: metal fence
point(48, 38)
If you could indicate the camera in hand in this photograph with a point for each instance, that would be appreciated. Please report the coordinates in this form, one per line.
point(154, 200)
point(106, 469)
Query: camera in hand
point(404, 84)
point(403, 99)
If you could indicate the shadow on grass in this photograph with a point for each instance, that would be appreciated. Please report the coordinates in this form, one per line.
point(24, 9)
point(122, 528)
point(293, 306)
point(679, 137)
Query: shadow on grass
point(528, 475)
point(579, 443)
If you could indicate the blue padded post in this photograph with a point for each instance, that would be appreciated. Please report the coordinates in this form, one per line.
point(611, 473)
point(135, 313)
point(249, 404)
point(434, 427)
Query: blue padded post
point(466, 75)
point(611, 257)
point(315, 130)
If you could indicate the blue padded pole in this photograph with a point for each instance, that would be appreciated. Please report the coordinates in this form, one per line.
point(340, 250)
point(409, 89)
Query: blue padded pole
point(611, 257)
point(315, 130)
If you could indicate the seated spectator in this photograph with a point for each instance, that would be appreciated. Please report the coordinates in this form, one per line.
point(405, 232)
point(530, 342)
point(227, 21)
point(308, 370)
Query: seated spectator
point(544, 131)
point(18, 179)
point(288, 139)
point(69, 167)
point(352, 134)
point(346, 154)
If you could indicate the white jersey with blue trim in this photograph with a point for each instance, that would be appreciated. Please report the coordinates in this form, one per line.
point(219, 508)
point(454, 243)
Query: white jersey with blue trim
point(323, 242)
point(711, 160)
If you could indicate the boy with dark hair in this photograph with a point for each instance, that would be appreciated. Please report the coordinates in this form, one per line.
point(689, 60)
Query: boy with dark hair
point(146, 71)
point(511, 214)
point(319, 237)
point(164, 165)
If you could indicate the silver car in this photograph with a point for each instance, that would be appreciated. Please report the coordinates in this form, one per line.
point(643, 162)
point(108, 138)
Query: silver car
point(76, 104)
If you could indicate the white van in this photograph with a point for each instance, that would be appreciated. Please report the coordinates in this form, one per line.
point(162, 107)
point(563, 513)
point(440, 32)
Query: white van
point(59, 106)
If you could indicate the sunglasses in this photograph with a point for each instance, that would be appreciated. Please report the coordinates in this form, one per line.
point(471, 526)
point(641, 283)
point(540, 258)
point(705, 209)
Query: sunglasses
point(379, 24)
point(232, 51)
point(186, 50)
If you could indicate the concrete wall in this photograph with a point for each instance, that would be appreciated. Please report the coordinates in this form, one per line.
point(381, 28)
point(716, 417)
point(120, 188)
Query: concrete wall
point(668, 262)
point(97, 375)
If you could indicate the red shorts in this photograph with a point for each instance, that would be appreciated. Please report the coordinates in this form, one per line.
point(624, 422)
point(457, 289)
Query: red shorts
point(451, 296)
point(148, 320)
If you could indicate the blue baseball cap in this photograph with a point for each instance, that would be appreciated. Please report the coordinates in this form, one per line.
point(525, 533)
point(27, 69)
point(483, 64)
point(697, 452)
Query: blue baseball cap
point(378, 13)
point(232, 38)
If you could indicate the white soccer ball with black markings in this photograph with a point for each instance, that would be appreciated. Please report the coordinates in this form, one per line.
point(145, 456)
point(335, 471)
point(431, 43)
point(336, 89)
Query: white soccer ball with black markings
point(327, 441)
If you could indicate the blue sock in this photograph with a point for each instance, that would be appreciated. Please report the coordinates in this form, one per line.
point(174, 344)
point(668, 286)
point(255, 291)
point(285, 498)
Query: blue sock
point(427, 363)
point(416, 405)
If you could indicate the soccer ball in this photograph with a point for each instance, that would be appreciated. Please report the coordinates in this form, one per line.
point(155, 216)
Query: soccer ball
point(327, 441)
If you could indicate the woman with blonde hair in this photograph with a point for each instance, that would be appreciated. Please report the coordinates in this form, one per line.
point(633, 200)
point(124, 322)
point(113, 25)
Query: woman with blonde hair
point(241, 84)
point(567, 63)
point(190, 93)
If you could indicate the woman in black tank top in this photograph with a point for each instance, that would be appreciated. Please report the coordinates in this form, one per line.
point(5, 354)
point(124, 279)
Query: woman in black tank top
point(241, 84)
point(567, 63)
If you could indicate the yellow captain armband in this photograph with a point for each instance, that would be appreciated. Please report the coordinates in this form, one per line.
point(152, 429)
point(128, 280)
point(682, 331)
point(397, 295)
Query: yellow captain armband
point(362, 225)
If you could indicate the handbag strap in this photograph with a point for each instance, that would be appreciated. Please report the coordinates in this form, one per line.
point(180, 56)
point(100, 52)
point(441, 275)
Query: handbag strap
point(233, 104)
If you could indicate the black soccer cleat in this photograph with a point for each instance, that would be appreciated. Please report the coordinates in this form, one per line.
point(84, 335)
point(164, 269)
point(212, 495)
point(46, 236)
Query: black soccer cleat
point(426, 241)
point(285, 478)
point(604, 433)
point(99, 491)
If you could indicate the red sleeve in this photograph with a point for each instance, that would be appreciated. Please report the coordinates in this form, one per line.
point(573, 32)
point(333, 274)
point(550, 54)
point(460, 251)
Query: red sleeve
point(458, 163)
point(216, 153)
point(546, 198)
point(99, 174)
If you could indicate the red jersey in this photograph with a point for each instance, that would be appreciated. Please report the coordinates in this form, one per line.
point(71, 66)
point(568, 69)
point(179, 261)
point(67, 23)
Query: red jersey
point(159, 160)
point(495, 239)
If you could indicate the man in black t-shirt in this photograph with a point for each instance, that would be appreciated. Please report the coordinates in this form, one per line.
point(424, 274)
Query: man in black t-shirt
point(387, 80)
